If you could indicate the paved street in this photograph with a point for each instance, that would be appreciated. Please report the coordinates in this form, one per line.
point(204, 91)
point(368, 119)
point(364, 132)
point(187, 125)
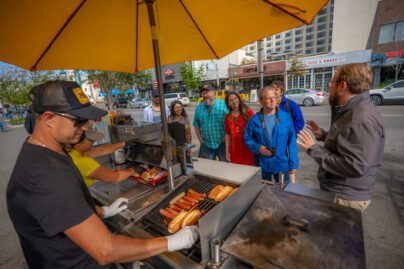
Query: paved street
point(383, 220)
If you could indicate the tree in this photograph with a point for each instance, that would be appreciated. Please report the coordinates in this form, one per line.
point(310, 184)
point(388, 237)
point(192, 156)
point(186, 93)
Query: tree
point(297, 68)
point(191, 76)
point(109, 80)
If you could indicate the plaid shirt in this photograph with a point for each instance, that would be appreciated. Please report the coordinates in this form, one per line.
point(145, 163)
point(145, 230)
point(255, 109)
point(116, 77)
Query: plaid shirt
point(211, 126)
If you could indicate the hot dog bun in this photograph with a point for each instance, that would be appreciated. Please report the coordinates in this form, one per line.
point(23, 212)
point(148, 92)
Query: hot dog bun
point(215, 191)
point(177, 198)
point(191, 218)
point(175, 224)
point(226, 191)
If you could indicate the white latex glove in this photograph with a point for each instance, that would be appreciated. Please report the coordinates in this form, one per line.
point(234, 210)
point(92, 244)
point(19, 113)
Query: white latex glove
point(117, 207)
point(184, 238)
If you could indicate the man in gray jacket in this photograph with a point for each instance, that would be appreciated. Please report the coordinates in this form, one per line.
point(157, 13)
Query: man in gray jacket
point(353, 147)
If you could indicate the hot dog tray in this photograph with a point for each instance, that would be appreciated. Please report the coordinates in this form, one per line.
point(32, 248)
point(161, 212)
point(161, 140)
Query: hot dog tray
point(155, 224)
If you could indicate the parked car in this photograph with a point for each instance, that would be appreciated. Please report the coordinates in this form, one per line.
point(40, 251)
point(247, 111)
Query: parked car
point(306, 97)
point(393, 93)
point(182, 97)
point(140, 103)
point(121, 102)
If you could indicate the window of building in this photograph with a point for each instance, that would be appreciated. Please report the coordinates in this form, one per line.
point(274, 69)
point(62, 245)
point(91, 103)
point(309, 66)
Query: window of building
point(278, 36)
point(278, 43)
point(278, 49)
point(298, 46)
point(299, 52)
point(298, 32)
point(287, 41)
point(269, 38)
point(320, 35)
point(269, 51)
point(309, 37)
point(386, 34)
point(287, 48)
point(309, 29)
point(320, 42)
point(287, 34)
point(321, 19)
point(330, 25)
point(399, 35)
point(320, 49)
point(309, 51)
point(298, 39)
point(269, 44)
point(323, 11)
point(321, 27)
point(309, 44)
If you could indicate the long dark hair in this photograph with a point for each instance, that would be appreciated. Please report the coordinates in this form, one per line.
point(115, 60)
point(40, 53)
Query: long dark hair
point(184, 114)
point(243, 108)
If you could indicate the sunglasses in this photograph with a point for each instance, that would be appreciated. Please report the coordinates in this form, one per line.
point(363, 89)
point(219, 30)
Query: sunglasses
point(78, 122)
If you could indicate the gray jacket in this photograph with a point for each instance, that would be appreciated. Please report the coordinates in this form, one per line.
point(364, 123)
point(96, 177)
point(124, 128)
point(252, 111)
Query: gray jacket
point(352, 151)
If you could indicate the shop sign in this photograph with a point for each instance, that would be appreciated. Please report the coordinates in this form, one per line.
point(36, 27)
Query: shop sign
point(169, 74)
point(387, 58)
point(362, 56)
point(252, 70)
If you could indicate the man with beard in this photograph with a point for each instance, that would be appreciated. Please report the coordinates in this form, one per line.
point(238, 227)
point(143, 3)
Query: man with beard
point(152, 112)
point(209, 125)
point(56, 219)
point(353, 146)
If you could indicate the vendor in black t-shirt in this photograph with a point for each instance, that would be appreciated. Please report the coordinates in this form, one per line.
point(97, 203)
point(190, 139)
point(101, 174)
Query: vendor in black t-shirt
point(50, 206)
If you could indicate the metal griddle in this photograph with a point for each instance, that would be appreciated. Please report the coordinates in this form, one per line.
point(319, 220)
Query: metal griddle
point(316, 234)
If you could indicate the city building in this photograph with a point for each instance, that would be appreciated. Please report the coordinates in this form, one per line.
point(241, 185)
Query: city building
point(387, 41)
point(352, 25)
point(312, 39)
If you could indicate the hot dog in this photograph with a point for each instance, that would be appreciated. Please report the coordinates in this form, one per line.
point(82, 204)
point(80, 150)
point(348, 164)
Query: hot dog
point(166, 214)
point(202, 195)
point(176, 208)
point(172, 211)
point(223, 194)
point(186, 202)
point(215, 191)
point(191, 218)
point(197, 197)
point(190, 199)
point(182, 205)
point(175, 224)
point(176, 198)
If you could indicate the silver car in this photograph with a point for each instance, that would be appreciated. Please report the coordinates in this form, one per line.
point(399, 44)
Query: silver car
point(139, 102)
point(306, 97)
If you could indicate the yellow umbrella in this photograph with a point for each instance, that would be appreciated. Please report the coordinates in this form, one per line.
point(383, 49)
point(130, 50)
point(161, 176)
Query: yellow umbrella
point(117, 35)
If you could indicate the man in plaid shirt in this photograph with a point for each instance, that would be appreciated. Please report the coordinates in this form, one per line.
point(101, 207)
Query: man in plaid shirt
point(209, 125)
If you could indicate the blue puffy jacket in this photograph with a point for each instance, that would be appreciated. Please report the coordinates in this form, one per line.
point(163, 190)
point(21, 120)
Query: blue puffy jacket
point(295, 112)
point(255, 137)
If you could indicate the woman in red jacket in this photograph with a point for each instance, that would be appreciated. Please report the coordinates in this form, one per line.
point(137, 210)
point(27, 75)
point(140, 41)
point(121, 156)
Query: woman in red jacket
point(235, 122)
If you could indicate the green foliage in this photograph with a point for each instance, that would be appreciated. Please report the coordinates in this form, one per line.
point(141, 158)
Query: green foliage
point(297, 68)
point(17, 121)
point(191, 76)
point(385, 83)
point(109, 80)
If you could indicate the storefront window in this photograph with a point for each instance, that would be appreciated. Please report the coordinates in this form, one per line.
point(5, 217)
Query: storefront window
point(386, 34)
point(399, 31)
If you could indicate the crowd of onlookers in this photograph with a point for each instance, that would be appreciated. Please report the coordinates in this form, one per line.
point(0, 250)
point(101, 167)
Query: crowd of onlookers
point(11, 113)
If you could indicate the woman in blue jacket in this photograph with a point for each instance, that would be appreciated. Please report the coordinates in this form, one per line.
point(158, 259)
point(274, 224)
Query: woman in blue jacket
point(270, 135)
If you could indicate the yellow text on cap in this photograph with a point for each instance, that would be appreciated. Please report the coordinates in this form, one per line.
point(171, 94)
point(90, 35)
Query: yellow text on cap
point(81, 96)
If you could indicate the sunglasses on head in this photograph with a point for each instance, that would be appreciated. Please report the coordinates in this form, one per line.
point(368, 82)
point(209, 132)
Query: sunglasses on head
point(78, 122)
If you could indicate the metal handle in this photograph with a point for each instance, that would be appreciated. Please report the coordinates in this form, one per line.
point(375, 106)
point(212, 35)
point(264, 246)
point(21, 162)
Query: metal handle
point(215, 251)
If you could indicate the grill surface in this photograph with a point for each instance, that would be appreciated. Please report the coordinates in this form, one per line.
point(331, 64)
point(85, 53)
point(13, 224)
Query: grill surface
point(155, 224)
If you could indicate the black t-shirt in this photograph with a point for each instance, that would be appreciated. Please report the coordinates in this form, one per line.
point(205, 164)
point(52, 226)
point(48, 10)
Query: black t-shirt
point(45, 196)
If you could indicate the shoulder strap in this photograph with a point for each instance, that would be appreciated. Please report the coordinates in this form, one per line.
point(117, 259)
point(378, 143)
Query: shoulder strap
point(288, 108)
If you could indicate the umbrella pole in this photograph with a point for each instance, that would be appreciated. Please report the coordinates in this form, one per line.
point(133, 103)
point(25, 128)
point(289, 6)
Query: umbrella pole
point(166, 141)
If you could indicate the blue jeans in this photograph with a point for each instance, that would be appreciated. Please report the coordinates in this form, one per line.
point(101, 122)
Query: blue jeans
point(268, 176)
point(208, 153)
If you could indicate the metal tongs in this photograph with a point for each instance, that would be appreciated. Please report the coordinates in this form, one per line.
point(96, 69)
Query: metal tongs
point(301, 224)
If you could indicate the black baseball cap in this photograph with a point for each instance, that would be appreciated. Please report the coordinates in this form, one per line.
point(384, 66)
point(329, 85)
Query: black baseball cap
point(207, 87)
point(63, 96)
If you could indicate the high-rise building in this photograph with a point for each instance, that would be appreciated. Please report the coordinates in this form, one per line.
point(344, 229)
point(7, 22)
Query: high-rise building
point(305, 40)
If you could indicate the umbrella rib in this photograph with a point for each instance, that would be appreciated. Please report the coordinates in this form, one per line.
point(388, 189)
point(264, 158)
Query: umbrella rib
point(287, 12)
point(33, 68)
point(199, 29)
point(137, 36)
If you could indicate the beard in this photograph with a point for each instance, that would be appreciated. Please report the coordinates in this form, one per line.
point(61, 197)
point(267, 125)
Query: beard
point(333, 100)
point(208, 102)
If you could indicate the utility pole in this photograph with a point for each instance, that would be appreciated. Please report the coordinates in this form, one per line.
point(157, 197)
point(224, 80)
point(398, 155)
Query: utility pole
point(260, 68)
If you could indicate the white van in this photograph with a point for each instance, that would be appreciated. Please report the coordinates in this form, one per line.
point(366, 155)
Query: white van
point(171, 97)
